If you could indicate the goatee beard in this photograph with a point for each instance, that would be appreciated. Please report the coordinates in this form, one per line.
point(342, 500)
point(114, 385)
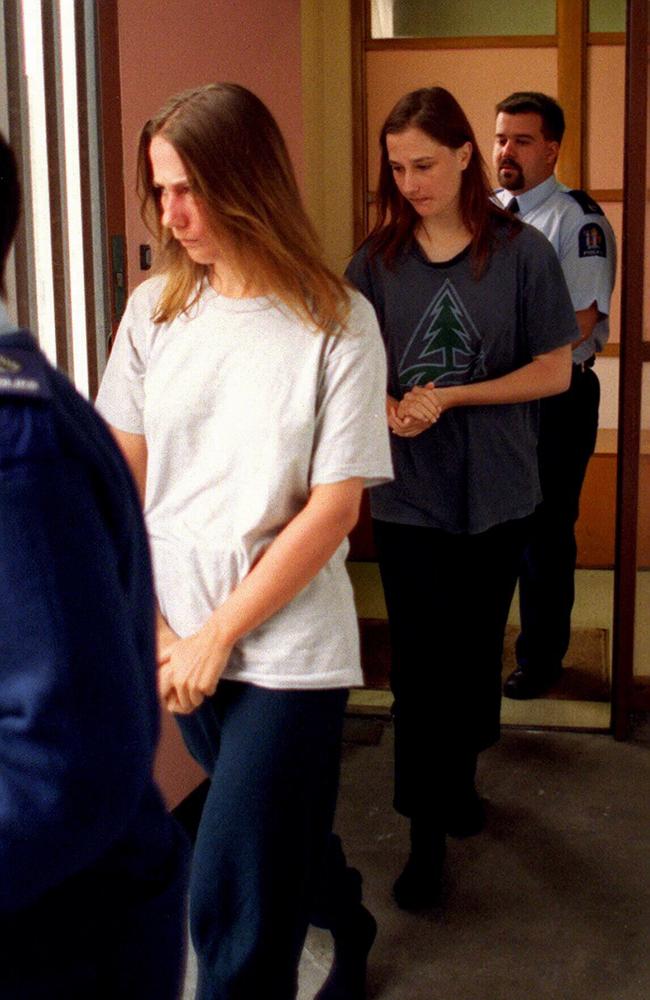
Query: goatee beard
point(516, 181)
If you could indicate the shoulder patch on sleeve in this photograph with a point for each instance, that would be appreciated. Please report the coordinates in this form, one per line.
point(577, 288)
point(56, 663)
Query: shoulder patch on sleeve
point(591, 241)
point(22, 373)
point(586, 202)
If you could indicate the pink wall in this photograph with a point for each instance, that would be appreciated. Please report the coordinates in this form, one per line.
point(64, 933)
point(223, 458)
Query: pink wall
point(169, 46)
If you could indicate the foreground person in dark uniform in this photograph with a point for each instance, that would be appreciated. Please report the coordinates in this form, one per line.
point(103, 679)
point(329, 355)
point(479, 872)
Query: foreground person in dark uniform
point(91, 866)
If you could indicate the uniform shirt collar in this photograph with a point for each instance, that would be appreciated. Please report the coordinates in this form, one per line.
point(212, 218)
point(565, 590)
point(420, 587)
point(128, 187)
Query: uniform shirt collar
point(530, 200)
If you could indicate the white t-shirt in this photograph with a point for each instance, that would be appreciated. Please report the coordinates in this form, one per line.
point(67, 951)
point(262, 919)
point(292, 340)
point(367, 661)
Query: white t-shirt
point(244, 410)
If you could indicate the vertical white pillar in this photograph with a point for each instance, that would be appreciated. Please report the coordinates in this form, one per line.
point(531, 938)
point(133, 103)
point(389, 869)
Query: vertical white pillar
point(72, 215)
point(40, 194)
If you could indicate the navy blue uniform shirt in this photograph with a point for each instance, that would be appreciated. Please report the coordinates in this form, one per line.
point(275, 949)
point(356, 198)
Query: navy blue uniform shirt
point(91, 865)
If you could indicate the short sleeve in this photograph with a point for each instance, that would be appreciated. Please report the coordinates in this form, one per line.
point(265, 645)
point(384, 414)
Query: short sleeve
point(359, 273)
point(588, 258)
point(120, 399)
point(351, 430)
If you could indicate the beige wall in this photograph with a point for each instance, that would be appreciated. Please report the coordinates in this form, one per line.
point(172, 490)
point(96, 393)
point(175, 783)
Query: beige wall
point(605, 115)
point(327, 104)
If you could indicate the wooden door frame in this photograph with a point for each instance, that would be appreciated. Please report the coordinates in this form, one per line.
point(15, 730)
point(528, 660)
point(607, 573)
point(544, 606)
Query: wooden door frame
point(110, 114)
point(359, 13)
point(635, 184)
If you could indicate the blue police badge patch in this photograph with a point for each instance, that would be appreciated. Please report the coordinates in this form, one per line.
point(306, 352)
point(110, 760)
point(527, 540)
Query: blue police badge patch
point(591, 241)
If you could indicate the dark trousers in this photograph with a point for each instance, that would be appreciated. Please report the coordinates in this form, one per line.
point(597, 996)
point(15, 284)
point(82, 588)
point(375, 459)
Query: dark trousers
point(567, 438)
point(448, 598)
point(265, 863)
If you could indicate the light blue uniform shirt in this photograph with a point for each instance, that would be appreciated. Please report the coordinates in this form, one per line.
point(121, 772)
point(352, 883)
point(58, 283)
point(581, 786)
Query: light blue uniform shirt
point(585, 244)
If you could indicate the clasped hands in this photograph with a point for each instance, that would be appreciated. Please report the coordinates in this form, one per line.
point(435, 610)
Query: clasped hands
point(417, 411)
point(188, 669)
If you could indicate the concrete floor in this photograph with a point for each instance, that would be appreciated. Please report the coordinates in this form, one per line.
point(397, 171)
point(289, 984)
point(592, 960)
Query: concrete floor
point(551, 902)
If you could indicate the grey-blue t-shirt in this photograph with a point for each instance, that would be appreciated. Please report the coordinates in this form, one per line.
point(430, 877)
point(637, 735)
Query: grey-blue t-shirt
point(477, 467)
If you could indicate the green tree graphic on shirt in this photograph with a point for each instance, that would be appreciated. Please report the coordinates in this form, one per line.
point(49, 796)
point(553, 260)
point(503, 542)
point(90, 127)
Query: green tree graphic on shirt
point(445, 348)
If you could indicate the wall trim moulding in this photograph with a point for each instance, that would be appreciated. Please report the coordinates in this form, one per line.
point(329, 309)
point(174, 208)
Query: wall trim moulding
point(465, 42)
point(606, 194)
point(592, 38)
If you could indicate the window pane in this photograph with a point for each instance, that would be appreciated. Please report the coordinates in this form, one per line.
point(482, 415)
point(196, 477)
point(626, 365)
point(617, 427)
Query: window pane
point(460, 18)
point(607, 15)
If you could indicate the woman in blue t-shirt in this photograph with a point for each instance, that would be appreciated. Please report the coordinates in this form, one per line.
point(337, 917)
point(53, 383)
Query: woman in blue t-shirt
point(477, 324)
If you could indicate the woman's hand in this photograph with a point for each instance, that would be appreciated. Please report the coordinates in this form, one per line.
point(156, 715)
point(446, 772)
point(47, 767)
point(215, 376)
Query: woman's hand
point(165, 638)
point(395, 423)
point(418, 410)
point(292, 560)
point(191, 669)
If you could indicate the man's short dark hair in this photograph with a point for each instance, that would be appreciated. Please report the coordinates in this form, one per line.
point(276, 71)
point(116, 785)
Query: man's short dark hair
point(9, 205)
point(531, 101)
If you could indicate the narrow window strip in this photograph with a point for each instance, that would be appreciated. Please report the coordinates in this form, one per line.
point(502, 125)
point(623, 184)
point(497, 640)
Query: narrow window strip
point(93, 205)
point(73, 215)
point(40, 197)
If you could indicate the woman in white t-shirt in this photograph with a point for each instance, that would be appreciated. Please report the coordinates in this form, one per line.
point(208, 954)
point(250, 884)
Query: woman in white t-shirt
point(245, 390)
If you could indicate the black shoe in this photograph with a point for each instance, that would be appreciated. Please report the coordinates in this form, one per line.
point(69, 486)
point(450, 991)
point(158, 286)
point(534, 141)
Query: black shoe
point(352, 942)
point(419, 885)
point(523, 684)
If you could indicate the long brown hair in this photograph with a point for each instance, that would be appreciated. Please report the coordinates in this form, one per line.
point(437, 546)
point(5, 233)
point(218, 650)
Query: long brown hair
point(438, 114)
point(239, 169)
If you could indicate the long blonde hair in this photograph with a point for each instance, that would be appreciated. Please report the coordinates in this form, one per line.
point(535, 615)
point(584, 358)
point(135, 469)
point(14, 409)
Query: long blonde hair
point(239, 168)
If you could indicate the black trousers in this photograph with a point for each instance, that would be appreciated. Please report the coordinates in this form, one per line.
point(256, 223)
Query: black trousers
point(448, 598)
point(265, 861)
point(567, 438)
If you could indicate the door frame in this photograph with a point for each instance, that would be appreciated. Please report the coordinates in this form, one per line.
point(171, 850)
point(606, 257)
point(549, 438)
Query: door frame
point(625, 698)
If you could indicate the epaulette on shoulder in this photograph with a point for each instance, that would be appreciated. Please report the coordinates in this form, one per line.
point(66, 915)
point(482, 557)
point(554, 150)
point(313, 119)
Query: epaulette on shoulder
point(586, 202)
